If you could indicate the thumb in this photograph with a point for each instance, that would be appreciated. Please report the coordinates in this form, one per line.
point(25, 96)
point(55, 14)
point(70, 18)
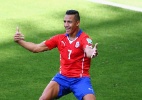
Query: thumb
point(96, 45)
point(17, 29)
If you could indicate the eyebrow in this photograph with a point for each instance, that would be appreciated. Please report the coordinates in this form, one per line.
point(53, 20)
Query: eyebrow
point(67, 21)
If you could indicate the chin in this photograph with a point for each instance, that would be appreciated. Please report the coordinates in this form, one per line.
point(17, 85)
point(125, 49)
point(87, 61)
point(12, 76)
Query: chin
point(68, 32)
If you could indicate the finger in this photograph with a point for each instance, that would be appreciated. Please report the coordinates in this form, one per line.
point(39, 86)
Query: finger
point(18, 33)
point(17, 29)
point(96, 45)
point(22, 37)
point(18, 37)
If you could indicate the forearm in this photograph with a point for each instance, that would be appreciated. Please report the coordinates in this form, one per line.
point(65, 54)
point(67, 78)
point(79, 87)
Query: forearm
point(19, 38)
point(28, 45)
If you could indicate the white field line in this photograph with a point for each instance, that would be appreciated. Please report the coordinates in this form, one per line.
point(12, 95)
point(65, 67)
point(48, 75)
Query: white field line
point(117, 5)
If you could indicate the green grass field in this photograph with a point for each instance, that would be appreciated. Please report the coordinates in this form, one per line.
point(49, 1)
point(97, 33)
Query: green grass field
point(137, 3)
point(116, 72)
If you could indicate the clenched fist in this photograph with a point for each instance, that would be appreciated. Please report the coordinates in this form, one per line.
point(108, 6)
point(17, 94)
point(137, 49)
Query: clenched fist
point(18, 35)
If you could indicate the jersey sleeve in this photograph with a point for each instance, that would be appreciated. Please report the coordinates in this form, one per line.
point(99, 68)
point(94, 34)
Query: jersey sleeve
point(52, 42)
point(87, 42)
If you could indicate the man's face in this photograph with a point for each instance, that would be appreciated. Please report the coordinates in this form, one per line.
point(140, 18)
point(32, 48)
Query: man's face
point(70, 24)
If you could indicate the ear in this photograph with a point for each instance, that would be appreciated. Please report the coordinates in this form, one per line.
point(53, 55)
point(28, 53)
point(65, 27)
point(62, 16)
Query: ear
point(78, 23)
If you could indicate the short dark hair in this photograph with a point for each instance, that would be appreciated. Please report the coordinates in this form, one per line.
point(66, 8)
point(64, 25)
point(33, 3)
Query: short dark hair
point(73, 12)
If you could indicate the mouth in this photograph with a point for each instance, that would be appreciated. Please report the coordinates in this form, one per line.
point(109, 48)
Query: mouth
point(68, 29)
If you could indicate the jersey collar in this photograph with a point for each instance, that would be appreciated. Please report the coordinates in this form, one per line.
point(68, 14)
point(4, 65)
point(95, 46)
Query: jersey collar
point(77, 35)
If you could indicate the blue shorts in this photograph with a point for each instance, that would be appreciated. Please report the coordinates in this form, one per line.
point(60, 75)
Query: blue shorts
point(79, 86)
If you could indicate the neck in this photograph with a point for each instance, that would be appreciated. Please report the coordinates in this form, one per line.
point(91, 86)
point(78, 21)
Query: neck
point(73, 35)
point(71, 38)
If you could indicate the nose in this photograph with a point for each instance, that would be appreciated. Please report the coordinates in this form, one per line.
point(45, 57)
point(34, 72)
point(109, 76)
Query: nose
point(66, 24)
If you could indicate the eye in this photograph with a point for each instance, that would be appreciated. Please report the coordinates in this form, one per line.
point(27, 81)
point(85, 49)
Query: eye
point(69, 21)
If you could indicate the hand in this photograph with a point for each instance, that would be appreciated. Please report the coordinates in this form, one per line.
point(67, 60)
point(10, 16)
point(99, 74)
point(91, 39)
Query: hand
point(95, 53)
point(18, 36)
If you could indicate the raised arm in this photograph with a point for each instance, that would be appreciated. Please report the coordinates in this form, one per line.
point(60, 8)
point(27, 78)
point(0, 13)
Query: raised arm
point(35, 48)
point(91, 52)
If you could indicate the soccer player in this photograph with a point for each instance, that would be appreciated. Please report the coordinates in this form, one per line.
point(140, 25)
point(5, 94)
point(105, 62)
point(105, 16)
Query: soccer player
point(76, 51)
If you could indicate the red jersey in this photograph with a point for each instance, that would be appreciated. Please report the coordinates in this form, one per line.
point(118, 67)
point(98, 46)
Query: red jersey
point(73, 60)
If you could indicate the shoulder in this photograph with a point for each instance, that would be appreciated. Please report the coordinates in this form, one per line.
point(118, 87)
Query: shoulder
point(84, 35)
point(58, 36)
point(85, 38)
point(61, 35)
